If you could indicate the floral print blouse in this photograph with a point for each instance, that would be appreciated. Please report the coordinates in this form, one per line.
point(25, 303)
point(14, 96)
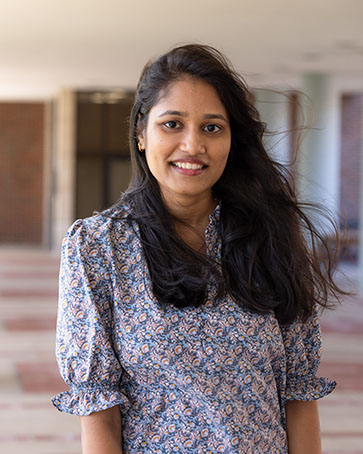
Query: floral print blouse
point(191, 380)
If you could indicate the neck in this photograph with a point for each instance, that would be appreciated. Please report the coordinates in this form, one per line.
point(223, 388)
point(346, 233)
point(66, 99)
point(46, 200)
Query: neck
point(194, 211)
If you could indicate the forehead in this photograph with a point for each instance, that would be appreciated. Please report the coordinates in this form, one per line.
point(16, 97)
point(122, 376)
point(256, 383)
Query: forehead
point(190, 95)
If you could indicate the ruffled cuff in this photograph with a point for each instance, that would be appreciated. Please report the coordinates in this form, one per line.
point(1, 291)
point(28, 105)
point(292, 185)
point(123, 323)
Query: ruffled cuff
point(83, 401)
point(309, 388)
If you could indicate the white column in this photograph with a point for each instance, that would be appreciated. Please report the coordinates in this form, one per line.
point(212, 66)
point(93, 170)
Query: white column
point(64, 166)
point(318, 163)
point(274, 109)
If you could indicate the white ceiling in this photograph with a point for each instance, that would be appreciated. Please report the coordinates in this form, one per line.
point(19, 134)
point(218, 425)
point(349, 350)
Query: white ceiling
point(49, 44)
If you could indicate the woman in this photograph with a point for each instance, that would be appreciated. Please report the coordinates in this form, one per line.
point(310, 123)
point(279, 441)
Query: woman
point(187, 318)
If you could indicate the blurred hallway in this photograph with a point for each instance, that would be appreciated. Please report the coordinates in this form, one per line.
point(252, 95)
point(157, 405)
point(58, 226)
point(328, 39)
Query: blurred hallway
point(29, 375)
point(28, 372)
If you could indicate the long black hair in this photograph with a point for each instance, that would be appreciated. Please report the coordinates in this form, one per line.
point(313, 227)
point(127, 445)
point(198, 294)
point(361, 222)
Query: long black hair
point(270, 248)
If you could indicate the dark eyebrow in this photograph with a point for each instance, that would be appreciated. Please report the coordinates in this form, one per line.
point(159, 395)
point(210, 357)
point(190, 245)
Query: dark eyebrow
point(173, 112)
point(211, 116)
point(184, 114)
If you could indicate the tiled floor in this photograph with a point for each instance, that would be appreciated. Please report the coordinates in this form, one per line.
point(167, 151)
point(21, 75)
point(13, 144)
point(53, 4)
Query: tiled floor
point(29, 377)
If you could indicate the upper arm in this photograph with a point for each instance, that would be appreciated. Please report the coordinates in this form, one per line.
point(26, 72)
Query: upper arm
point(302, 344)
point(86, 357)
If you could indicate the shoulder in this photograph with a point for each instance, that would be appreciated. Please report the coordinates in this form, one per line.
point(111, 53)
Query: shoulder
point(96, 235)
point(98, 228)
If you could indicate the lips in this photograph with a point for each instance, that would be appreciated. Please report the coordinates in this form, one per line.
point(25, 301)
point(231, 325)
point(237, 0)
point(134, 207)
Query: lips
point(189, 167)
point(189, 164)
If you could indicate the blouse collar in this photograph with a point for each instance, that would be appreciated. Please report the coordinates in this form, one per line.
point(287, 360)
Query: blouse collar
point(214, 217)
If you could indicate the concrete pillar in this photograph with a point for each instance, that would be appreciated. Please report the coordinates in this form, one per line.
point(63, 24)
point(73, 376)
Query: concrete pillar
point(274, 108)
point(360, 250)
point(64, 166)
point(318, 157)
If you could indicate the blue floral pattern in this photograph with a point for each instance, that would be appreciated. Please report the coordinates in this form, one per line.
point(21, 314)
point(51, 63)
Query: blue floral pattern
point(190, 380)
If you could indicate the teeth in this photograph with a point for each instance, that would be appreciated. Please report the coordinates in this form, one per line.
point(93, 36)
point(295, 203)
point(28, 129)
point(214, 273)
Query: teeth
point(188, 165)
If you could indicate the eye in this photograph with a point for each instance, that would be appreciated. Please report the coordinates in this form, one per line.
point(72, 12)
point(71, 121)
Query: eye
point(172, 124)
point(212, 128)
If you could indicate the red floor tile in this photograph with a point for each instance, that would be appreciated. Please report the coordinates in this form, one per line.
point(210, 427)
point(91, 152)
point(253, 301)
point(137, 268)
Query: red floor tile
point(40, 377)
point(31, 324)
point(24, 293)
point(342, 326)
point(29, 274)
point(343, 434)
point(29, 259)
point(349, 376)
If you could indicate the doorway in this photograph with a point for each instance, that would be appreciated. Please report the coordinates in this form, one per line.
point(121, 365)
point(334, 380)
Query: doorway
point(103, 160)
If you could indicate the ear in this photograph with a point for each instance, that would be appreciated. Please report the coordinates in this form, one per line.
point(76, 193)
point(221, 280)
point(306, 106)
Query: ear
point(141, 140)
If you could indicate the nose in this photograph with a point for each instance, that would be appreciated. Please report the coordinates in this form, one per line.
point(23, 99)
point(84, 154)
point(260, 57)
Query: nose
point(193, 142)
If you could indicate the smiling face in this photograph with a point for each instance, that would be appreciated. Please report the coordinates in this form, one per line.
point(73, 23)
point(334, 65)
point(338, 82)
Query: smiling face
point(187, 140)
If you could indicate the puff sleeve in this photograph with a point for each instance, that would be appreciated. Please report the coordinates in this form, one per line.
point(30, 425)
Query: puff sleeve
point(84, 351)
point(302, 343)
